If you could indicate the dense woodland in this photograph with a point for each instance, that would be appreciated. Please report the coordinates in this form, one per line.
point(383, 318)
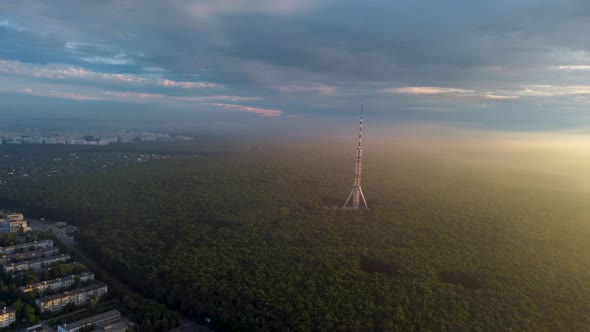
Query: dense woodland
point(252, 236)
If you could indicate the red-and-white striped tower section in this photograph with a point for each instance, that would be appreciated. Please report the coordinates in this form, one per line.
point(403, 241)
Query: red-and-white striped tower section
point(357, 192)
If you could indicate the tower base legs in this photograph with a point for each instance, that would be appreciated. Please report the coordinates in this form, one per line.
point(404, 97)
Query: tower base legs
point(356, 194)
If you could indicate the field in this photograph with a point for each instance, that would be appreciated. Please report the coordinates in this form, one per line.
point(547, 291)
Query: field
point(483, 235)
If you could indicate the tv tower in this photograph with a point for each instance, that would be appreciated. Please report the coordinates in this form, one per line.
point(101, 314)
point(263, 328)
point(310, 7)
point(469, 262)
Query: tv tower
point(357, 192)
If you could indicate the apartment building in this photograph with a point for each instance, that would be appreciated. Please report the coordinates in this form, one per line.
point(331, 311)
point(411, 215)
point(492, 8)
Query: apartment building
point(58, 283)
point(15, 216)
point(79, 296)
point(13, 226)
point(35, 244)
point(35, 264)
point(7, 316)
point(39, 253)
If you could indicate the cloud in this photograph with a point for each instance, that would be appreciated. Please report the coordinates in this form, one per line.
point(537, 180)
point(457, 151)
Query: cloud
point(63, 95)
point(523, 59)
point(107, 60)
point(425, 90)
point(573, 67)
point(220, 97)
point(65, 72)
point(207, 9)
point(554, 90)
point(249, 109)
point(60, 72)
point(430, 109)
point(322, 90)
point(79, 92)
point(449, 92)
point(498, 97)
point(9, 25)
point(153, 69)
point(157, 97)
point(186, 85)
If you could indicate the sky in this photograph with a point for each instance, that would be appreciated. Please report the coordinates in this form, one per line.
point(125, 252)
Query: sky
point(297, 65)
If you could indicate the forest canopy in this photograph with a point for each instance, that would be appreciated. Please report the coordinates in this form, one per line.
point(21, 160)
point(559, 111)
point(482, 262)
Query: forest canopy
point(251, 236)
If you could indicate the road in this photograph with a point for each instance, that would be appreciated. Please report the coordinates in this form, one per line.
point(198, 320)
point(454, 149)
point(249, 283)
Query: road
point(118, 287)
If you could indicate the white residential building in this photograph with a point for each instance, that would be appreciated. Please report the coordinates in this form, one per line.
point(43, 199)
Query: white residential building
point(35, 264)
point(12, 226)
point(35, 244)
point(58, 283)
point(78, 297)
point(5, 259)
point(7, 317)
point(15, 216)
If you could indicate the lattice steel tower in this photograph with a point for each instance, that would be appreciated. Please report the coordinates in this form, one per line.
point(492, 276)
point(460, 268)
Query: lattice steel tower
point(357, 192)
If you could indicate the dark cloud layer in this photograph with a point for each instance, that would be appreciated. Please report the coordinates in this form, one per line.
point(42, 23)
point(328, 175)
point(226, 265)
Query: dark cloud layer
point(517, 64)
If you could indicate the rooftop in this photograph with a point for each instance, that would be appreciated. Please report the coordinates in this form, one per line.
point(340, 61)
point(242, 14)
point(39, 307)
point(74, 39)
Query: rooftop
point(71, 276)
point(6, 310)
point(26, 244)
point(91, 320)
point(97, 285)
point(31, 261)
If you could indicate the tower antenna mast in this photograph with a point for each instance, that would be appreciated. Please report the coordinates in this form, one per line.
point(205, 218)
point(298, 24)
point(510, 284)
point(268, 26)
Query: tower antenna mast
point(356, 194)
